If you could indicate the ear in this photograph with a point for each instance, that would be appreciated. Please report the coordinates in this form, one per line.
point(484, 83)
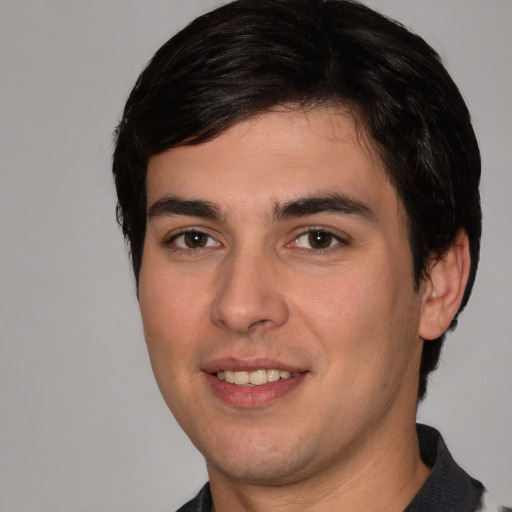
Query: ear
point(443, 288)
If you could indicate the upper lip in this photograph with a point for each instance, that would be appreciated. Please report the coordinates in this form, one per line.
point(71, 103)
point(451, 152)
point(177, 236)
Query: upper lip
point(248, 365)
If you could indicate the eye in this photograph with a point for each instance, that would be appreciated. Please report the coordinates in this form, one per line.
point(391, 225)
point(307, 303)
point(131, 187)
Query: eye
point(193, 240)
point(317, 240)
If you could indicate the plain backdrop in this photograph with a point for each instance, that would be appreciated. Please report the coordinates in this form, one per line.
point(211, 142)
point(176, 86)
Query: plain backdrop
point(82, 425)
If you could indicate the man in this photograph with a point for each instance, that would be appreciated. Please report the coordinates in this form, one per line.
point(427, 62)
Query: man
point(298, 182)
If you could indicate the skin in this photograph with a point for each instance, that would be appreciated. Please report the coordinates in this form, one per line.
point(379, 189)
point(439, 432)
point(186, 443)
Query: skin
point(257, 291)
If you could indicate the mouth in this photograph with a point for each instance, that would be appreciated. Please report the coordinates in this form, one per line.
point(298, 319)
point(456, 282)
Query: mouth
point(252, 384)
point(255, 377)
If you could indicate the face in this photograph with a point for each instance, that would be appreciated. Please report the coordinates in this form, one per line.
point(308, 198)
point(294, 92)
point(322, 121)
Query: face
point(277, 296)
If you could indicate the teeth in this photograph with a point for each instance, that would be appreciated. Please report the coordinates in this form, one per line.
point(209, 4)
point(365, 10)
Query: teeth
point(240, 378)
point(273, 375)
point(254, 378)
point(258, 377)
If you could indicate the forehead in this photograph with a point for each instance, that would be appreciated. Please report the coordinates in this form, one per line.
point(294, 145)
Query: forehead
point(274, 157)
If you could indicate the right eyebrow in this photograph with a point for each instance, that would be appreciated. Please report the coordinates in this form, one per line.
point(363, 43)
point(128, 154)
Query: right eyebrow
point(170, 206)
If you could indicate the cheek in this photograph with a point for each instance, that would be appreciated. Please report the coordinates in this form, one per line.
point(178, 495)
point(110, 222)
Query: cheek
point(342, 300)
point(171, 321)
point(170, 309)
point(367, 314)
point(170, 302)
point(366, 326)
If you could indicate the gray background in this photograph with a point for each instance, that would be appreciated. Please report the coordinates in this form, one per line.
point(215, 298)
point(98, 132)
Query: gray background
point(83, 427)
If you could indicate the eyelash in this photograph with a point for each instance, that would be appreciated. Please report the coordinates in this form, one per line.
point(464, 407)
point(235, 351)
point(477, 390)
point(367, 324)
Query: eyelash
point(333, 241)
point(171, 241)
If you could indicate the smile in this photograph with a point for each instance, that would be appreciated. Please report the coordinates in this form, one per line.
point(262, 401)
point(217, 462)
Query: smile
point(254, 378)
point(254, 383)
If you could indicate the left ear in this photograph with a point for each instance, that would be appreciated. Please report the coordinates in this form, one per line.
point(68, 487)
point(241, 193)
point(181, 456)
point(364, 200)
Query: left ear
point(444, 287)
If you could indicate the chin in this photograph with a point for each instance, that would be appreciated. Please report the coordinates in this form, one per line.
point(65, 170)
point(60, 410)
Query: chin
point(259, 471)
point(259, 459)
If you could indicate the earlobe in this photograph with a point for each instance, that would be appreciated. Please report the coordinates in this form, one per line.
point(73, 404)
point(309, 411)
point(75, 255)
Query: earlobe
point(444, 287)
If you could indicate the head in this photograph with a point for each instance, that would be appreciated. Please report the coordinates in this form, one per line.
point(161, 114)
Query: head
point(247, 58)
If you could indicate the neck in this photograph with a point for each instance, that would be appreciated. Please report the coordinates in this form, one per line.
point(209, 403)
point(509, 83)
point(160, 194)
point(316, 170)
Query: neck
point(387, 471)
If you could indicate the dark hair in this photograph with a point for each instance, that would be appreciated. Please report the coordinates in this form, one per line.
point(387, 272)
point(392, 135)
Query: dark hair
point(249, 56)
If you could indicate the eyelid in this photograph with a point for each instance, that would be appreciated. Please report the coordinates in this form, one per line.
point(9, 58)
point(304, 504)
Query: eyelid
point(341, 238)
point(176, 233)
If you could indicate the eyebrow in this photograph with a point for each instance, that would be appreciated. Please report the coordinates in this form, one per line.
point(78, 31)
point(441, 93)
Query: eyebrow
point(327, 203)
point(169, 206)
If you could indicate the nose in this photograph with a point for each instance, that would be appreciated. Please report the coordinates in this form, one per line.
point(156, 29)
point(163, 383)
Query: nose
point(248, 295)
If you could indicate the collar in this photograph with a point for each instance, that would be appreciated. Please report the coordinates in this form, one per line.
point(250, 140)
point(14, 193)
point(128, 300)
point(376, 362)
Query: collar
point(448, 488)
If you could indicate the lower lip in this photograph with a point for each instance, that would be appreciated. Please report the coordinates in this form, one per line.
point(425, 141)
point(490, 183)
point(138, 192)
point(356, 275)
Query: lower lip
point(253, 396)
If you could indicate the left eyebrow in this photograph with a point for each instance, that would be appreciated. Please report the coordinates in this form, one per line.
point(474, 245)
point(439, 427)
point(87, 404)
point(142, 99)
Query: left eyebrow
point(328, 203)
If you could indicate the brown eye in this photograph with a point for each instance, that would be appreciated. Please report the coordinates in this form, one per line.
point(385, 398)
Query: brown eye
point(194, 239)
point(191, 240)
point(317, 240)
point(320, 239)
